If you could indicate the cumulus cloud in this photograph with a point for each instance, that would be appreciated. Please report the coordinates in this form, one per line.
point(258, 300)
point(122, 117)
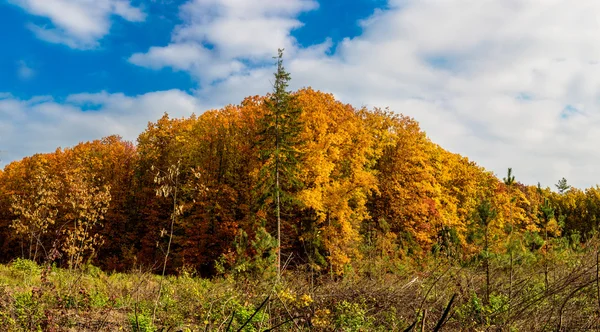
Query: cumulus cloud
point(42, 124)
point(219, 38)
point(501, 73)
point(77, 23)
point(507, 83)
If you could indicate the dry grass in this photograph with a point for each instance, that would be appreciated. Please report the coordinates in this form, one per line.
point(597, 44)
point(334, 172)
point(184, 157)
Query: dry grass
point(34, 298)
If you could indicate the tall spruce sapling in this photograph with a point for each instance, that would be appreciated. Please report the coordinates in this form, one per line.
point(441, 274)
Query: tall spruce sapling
point(509, 181)
point(279, 149)
point(486, 213)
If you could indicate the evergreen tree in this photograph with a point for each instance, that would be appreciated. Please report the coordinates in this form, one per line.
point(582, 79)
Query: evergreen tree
point(562, 186)
point(546, 214)
point(509, 181)
point(485, 214)
point(279, 149)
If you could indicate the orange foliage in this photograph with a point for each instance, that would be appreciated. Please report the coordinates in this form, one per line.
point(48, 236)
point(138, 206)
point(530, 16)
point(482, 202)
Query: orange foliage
point(361, 170)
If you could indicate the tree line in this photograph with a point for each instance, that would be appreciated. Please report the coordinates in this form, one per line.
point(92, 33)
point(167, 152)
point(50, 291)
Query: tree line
point(289, 179)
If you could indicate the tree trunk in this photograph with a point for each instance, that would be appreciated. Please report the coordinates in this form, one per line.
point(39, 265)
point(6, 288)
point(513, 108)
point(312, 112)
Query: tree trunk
point(487, 268)
point(278, 231)
point(597, 273)
point(546, 283)
point(510, 252)
point(278, 211)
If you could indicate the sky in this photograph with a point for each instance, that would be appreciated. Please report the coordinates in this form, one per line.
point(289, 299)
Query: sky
point(507, 83)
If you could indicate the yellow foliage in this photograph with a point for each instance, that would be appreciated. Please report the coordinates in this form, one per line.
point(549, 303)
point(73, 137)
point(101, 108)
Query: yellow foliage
point(335, 172)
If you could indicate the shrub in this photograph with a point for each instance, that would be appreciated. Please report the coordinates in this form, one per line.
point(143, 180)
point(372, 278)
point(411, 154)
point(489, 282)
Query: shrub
point(28, 311)
point(352, 317)
point(142, 322)
point(25, 266)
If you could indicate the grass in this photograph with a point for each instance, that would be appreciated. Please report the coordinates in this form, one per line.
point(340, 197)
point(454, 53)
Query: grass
point(435, 294)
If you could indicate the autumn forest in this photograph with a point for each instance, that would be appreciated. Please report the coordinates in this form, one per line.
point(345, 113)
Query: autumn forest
point(295, 181)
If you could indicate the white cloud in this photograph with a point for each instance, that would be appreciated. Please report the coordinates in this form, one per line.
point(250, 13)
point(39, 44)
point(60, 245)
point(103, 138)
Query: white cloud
point(190, 57)
point(217, 37)
point(508, 83)
point(488, 79)
point(41, 124)
point(24, 71)
point(77, 23)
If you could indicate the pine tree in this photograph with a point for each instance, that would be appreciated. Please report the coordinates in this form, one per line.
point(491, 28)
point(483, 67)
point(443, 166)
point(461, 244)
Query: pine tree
point(486, 214)
point(279, 149)
point(509, 181)
point(546, 214)
point(562, 186)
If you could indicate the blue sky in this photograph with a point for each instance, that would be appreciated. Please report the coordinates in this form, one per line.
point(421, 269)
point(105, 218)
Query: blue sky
point(59, 70)
point(506, 83)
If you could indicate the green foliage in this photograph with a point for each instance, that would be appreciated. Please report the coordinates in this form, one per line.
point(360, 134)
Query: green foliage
point(575, 241)
point(279, 141)
point(361, 301)
point(562, 186)
point(485, 212)
point(546, 213)
point(486, 315)
point(243, 314)
point(25, 266)
point(93, 271)
point(29, 311)
point(509, 180)
point(533, 241)
point(99, 300)
point(142, 322)
point(253, 258)
point(76, 300)
point(448, 243)
point(7, 322)
point(279, 152)
point(351, 316)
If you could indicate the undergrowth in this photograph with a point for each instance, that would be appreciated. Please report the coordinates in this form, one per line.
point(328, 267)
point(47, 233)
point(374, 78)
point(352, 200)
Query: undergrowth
point(377, 296)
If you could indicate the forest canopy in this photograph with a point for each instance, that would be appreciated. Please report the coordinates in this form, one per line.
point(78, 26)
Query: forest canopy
point(365, 184)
